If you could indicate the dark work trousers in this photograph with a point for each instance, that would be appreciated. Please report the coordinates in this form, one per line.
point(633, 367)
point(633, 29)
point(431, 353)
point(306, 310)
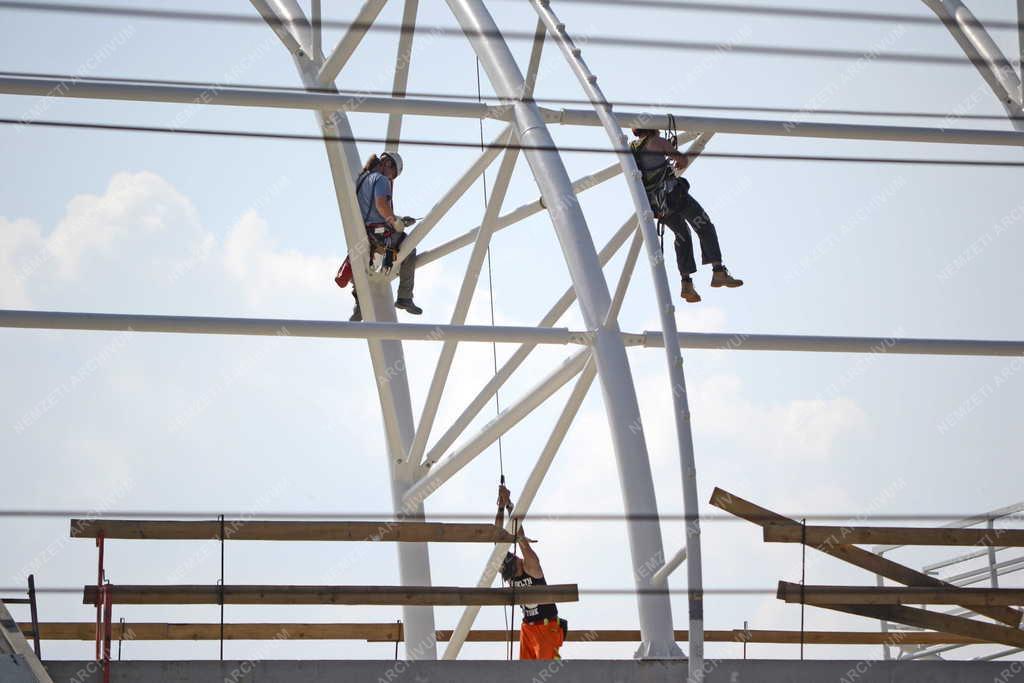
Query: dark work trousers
point(406, 275)
point(685, 213)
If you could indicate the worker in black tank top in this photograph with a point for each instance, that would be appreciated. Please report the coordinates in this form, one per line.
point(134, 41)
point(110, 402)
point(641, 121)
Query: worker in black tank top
point(541, 632)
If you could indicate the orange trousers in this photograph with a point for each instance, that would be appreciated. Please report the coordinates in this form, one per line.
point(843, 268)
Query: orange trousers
point(540, 641)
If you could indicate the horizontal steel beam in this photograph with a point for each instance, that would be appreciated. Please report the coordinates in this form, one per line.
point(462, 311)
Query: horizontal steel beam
point(739, 341)
point(216, 94)
point(269, 327)
point(282, 327)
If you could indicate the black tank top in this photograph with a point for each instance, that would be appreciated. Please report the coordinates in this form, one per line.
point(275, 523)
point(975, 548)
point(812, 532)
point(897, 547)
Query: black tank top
point(535, 614)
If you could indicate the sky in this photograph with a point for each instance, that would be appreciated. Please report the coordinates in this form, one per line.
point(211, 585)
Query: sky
point(184, 225)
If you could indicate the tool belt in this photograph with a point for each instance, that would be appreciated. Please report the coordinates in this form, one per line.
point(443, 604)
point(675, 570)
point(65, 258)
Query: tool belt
point(385, 240)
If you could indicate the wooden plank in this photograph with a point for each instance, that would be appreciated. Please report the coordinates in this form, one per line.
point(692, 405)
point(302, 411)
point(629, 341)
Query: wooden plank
point(912, 616)
point(211, 631)
point(254, 530)
point(822, 535)
point(896, 595)
point(392, 632)
point(859, 557)
point(333, 595)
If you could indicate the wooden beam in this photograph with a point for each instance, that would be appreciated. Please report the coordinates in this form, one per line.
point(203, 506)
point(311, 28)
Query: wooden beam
point(823, 535)
point(912, 616)
point(392, 632)
point(859, 557)
point(211, 631)
point(893, 595)
point(333, 595)
point(253, 530)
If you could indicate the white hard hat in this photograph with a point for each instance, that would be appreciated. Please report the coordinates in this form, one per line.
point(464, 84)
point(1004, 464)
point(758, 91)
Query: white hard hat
point(397, 159)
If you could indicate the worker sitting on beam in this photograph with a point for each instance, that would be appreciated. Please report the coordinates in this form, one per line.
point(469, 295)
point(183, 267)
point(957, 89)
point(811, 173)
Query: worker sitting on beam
point(541, 633)
point(384, 230)
point(674, 206)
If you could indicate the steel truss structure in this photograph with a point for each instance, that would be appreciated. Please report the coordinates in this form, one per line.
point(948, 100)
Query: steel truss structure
point(417, 466)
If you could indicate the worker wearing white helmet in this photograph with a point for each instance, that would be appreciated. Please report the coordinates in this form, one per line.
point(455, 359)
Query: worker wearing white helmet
point(374, 189)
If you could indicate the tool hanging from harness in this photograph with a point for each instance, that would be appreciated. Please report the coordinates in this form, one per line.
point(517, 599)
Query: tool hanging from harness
point(384, 242)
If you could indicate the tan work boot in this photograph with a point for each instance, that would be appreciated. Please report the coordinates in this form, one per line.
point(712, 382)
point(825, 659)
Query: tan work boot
point(721, 278)
point(689, 293)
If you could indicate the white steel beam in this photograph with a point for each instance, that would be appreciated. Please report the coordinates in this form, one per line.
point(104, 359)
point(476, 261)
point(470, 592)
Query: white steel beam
point(661, 576)
point(536, 51)
point(656, 628)
point(271, 327)
point(317, 28)
point(402, 62)
point(499, 378)
point(462, 303)
point(215, 94)
point(614, 375)
point(547, 455)
point(286, 19)
point(516, 215)
point(983, 52)
point(740, 341)
point(526, 498)
point(542, 334)
point(386, 356)
point(454, 194)
point(350, 41)
point(445, 469)
point(1020, 41)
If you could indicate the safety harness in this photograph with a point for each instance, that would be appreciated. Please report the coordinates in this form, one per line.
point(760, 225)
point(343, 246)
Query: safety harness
point(382, 236)
point(660, 180)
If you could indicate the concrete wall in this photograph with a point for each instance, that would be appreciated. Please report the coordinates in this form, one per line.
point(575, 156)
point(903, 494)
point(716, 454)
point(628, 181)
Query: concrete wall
point(577, 671)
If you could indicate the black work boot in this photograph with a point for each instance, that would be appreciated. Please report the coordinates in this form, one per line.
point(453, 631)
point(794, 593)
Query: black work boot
point(357, 315)
point(409, 306)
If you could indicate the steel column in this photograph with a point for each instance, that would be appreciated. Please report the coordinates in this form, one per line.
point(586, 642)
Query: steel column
point(651, 646)
point(387, 357)
point(609, 353)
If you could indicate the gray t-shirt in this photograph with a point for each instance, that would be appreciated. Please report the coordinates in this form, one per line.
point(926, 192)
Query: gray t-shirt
point(373, 186)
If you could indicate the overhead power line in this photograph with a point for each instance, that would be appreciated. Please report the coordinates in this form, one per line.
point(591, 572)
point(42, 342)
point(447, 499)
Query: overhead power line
point(874, 113)
point(582, 40)
point(476, 145)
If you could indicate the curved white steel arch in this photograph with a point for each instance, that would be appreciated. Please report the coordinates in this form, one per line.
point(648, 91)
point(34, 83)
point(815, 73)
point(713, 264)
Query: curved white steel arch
point(655, 612)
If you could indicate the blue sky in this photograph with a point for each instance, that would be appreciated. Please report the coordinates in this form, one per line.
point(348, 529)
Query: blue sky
point(145, 223)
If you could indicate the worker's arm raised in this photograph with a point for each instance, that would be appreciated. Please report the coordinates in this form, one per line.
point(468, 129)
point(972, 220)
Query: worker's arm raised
point(531, 563)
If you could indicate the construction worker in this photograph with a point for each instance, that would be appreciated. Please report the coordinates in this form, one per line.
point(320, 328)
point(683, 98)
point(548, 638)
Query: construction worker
point(541, 632)
point(675, 207)
point(384, 229)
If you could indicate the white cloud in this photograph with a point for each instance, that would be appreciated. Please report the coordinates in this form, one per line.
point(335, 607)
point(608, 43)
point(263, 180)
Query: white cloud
point(22, 251)
point(800, 428)
point(253, 258)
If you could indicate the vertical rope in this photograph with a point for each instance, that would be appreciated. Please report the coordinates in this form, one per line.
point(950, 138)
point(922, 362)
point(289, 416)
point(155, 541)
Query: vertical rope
point(494, 356)
point(490, 277)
